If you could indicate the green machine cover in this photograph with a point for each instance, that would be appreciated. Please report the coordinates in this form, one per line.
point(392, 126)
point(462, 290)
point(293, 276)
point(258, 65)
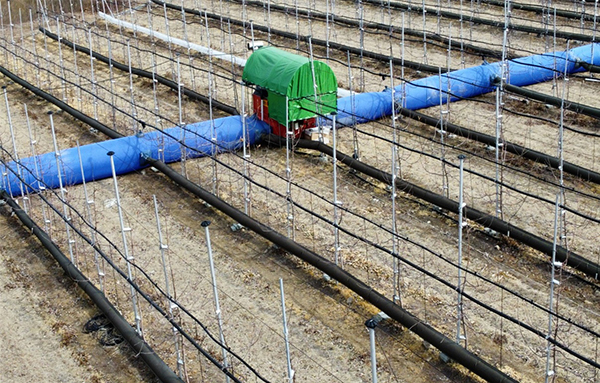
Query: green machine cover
point(285, 74)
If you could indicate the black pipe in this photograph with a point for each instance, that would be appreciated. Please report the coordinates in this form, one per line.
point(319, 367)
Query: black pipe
point(541, 10)
point(572, 259)
point(556, 101)
point(143, 73)
point(482, 21)
point(62, 105)
point(435, 338)
point(332, 45)
point(589, 67)
point(139, 346)
point(431, 335)
point(383, 27)
point(530, 154)
point(568, 257)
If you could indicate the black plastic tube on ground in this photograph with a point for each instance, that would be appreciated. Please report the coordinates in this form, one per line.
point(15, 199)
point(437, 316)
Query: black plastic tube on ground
point(482, 21)
point(471, 361)
point(143, 73)
point(62, 105)
point(569, 258)
point(542, 10)
point(382, 27)
point(556, 101)
point(140, 347)
point(589, 67)
point(530, 154)
point(323, 43)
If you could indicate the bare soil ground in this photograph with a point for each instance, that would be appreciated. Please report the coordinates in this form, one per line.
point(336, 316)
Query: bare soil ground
point(326, 322)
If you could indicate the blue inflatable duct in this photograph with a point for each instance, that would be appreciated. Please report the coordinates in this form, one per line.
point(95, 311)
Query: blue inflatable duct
point(464, 83)
point(360, 108)
point(129, 153)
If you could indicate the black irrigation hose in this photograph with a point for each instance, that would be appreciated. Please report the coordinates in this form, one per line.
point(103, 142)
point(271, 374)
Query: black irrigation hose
point(141, 348)
point(382, 27)
point(333, 45)
point(62, 105)
point(478, 20)
point(478, 174)
point(487, 139)
point(589, 67)
point(163, 164)
point(143, 73)
point(153, 52)
point(556, 101)
point(435, 338)
point(280, 142)
point(137, 288)
point(567, 257)
point(541, 10)
point(114, 134)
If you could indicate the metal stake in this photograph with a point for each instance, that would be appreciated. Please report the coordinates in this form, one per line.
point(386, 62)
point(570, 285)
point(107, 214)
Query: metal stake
point(245, 153)
point(169, 41)
point(205, 225)
point(371, 325)
point(88, 203)
point(62, 190)
point(355, 153)
point(442, 131)
point(163, 247)
point(93, 78)
point(290, 372)
point(35, 52)
point(459, 288)
point(61, 62)
point(12, 36)
point(213, 133)
point(289, 137)
point(14, 145)
point(315, 88)
point(134, 120)
point(39, 175)
point(181, 123)
point(336, 202)
point(397, 297)
point(128, 257)
point(424, 33)
point(77, 75)
point(553, 282)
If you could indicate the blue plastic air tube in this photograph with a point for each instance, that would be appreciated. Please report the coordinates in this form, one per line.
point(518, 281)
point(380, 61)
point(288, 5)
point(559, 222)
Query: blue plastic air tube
point(129, 153)
point(360, 108)
point(464, 83)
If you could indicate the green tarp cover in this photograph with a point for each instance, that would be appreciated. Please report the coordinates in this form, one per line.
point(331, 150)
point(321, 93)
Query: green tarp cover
point(285, 74)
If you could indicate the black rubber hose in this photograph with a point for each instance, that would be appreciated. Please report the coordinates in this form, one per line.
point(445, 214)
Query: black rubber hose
point(332, 45)
point(438, 340)
point(62, 105)
point(435, 338)
point(589, 67)
point(568, 257)
point(573, 260)
point(140, 347)
point(114, 134)
point(556, 101)
point(482, 21)
point(541, 10)
point(383, 27)
point(143, 73)
point(530, 154)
